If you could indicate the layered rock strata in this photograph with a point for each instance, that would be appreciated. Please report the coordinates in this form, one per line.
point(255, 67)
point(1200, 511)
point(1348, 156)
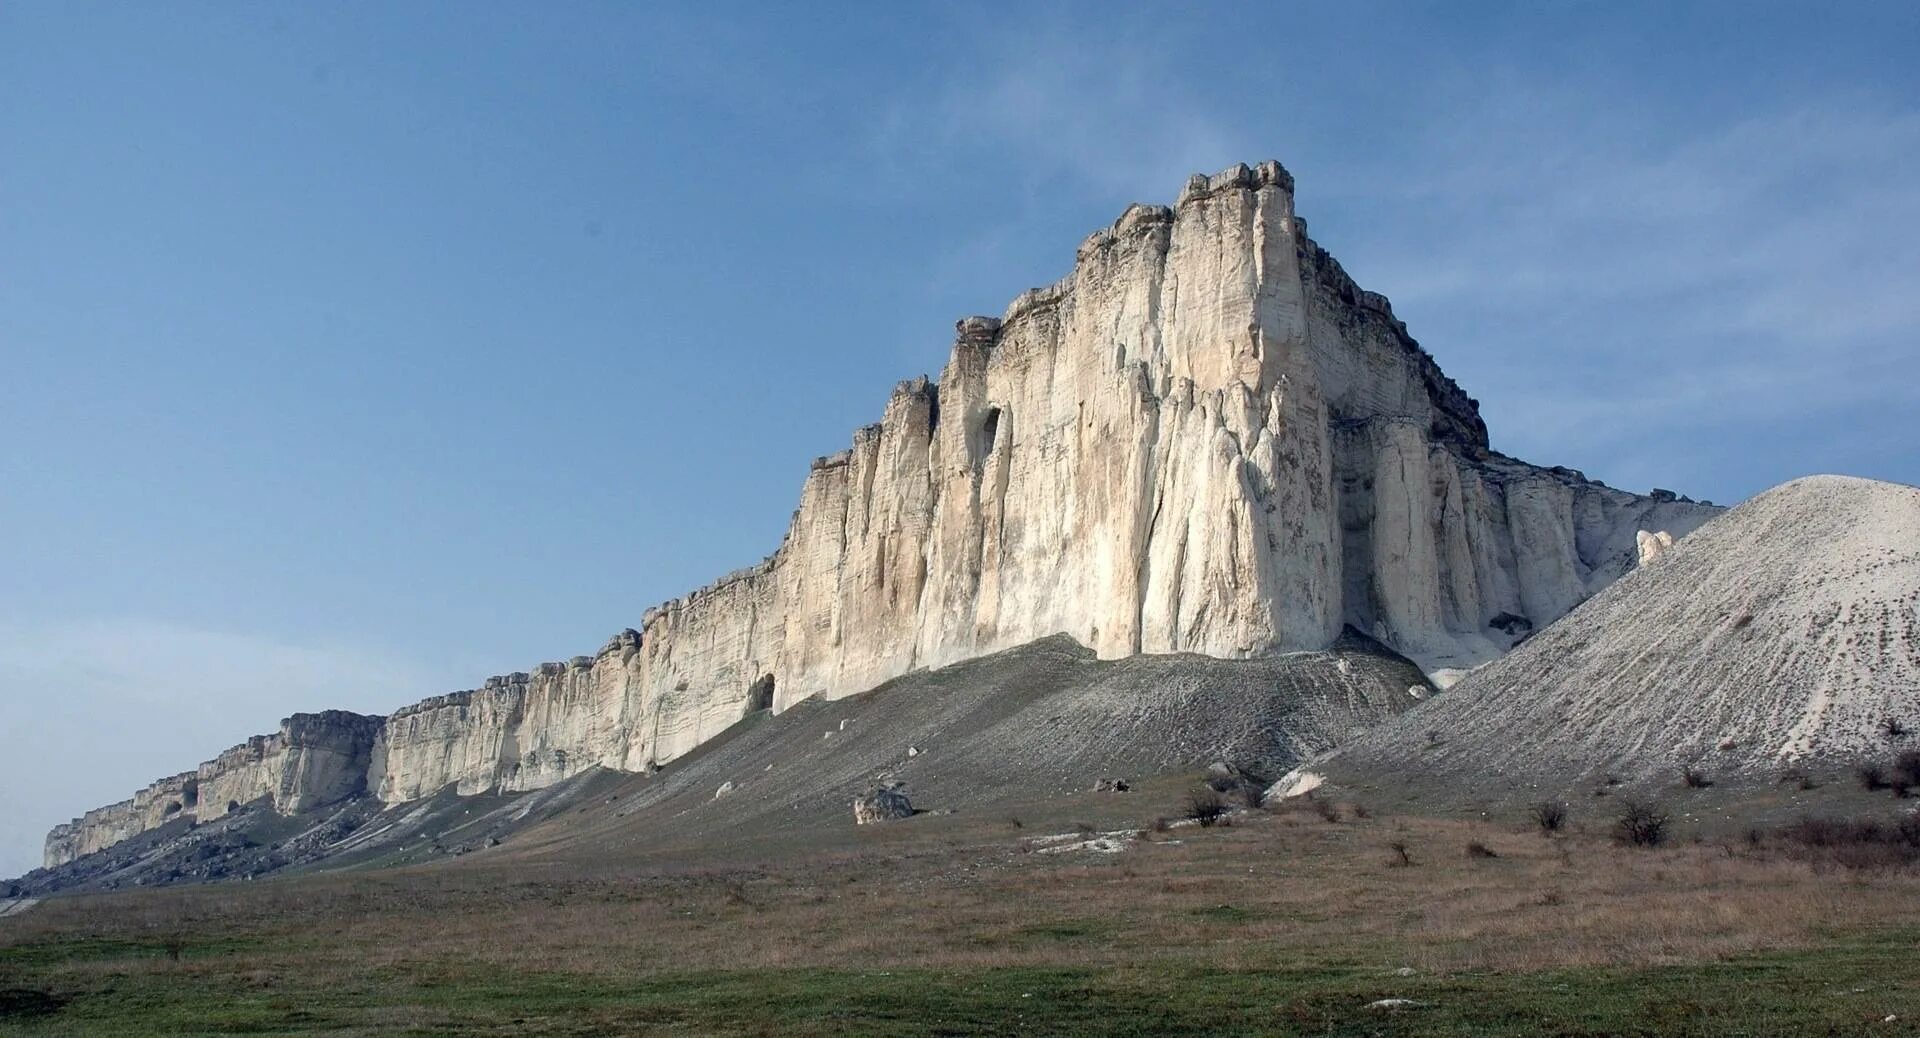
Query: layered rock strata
point(1206, 439)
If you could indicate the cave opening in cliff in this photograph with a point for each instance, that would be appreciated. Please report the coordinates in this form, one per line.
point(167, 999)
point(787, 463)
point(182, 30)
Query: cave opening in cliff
point(980, 444)
point(760, 694)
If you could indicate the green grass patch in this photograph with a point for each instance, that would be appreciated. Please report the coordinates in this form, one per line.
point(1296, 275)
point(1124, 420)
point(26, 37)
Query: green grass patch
point(1846, 988)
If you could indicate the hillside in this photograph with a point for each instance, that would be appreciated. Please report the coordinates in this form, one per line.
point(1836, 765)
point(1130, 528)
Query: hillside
point(1784, 633)
point(1017, 731)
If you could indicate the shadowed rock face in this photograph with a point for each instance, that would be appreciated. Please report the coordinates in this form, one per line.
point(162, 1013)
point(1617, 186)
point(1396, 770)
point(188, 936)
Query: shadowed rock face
point(1785, 631)
point(1205, 439)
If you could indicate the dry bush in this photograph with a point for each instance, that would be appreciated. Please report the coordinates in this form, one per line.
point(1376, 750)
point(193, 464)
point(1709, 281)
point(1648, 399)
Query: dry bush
point(1206, 807)
point(1360, 810)
point(1326, 809)
point(1861, 843)
point(1402, 856)
point(1550, 816)
point(1798, 777)
point(1906, 767)
point(1476, 849)
point(1694, 778)
point(1893, 728)
point(1641, 825)
point(1872, 777)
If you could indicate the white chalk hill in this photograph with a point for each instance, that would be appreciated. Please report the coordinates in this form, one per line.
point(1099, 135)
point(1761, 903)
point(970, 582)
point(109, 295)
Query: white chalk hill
point(1787, 629)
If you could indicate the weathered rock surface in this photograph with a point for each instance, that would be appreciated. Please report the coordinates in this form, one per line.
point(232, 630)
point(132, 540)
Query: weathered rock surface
point(313, 760)
point(1785, 631)
point(1652, 544)
point(1204, 439)
point(883, 803)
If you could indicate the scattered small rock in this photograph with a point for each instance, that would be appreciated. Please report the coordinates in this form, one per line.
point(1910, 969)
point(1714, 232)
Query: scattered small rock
point(725, 788)
point(1394, 1005)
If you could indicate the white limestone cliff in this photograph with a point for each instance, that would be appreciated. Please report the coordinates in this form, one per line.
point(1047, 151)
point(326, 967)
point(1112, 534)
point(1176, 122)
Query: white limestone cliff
point(1206, 438)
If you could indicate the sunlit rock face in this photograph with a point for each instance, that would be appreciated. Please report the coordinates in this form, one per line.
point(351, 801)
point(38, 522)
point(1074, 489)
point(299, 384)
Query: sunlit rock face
point(1206, 438)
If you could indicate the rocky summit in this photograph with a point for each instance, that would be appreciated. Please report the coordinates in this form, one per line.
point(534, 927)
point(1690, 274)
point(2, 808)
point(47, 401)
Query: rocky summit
point(1204, 439)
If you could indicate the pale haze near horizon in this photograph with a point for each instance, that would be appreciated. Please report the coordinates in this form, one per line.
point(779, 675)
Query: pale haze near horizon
point(355, 354)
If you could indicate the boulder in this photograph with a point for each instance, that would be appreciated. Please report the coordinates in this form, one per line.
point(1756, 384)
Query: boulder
point(882, 803)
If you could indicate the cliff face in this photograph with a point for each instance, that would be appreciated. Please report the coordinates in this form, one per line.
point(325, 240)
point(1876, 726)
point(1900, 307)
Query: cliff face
point(314, 759)
point(1205, 439)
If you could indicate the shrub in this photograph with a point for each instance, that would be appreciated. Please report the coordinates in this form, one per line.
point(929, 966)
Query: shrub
point(1873, 777)
point(1360, 810)
point(1326, 809)
point(1402, 856)
point(1893, 728)
point(1859, 844)
point(1641, 825)
point(1906, 767)
point(1550, 816)
point(1253, 796)
point(1206, 807)
point(1476, 849)
point(1162, 824)
point(1694, 778)
point(1798, 776)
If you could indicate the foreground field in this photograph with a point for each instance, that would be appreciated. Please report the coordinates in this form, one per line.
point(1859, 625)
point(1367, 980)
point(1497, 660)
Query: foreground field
point(1282, 923)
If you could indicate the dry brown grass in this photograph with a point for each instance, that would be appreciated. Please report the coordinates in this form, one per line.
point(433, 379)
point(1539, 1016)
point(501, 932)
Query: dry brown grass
point(1270, 890)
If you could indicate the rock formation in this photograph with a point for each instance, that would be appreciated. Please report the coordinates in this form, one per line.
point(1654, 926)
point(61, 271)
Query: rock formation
point(1204, 439)
point(314, 759)
point(1652, 544)
point(882, 803)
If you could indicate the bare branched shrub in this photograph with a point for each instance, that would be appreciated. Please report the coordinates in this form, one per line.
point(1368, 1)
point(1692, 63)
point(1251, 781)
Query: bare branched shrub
point(1893, 728)
point(1550, 816)
point(1326, 809)
point(1694, 778)
point(1476, 849)
point(1402, 856)
point(1641, 825)
point(1206, 807)
point(1360, 810)
point(1162, 824)
point(1253, 796)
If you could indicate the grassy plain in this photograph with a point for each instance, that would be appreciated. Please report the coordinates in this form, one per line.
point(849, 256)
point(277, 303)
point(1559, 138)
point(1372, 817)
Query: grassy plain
point(1279, 923)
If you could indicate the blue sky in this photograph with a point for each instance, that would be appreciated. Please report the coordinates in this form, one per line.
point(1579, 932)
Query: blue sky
point(354, 352)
